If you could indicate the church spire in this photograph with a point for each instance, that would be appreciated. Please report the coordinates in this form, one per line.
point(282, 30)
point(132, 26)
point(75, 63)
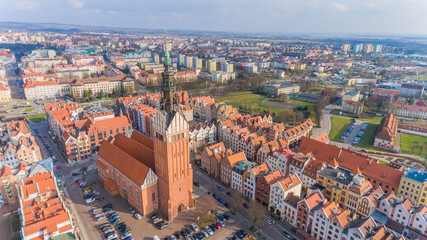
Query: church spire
point(168, 84)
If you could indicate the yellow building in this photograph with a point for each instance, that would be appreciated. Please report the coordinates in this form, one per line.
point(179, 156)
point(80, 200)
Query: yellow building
point(413, 185)
point(210, 66)
point(4, 93)
point(341, 186)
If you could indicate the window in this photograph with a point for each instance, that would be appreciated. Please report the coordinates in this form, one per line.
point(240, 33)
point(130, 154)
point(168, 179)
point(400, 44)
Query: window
point(130, 190)
point(154, 196)
point(137, 196)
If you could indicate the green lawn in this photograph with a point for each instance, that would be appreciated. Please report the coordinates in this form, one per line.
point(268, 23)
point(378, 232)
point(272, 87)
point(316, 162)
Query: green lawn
point(338, 128)
point(36, 118)
point(245, 99)
point(367, 141)
point(249, 102)
point(29, 110)
point(407, 141)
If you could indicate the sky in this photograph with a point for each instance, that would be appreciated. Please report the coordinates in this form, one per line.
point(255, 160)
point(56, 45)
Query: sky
point(375, 17)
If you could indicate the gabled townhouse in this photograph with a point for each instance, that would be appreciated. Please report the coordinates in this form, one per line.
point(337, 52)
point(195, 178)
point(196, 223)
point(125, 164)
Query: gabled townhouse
point(280, 190)
point(329, 221)
point(262, 193)
point(268, 148)
point(222, 127)
point(298, 163)
point(309, 174)
point(239, 169)
point(227, 164)
point(289, 213)
point(211, 158)
point(275, 132)
point(367, 204)
point(279, 160)
point(360, 229)
point(305, 209)
point(253, 147)
point(249, 179)
point(295, 134)
point(9, 177)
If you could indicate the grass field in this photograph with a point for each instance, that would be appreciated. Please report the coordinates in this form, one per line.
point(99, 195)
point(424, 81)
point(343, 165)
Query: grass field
point(36, 118)
point(255, 101)
point(338, 128)
point(10, 227)
point(29, 110)
point(407, 140)
point(367, 141)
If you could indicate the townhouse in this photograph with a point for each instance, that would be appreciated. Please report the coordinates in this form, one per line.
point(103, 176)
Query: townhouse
point(367, 204)
point(249, 179)
point(305, 209)
point(298, 162)
point(262, 193)
point(9, 177)
point(289, 213)
point(411, 111)
point(329, 221)
point(268, 148)
point(280, 159)
point(211, 158)
point(239, 169)
point(309, 174)
point(227, 165)
point(280, 190)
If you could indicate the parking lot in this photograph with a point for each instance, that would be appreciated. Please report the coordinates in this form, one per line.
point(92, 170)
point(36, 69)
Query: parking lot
point(140, 229)
point(354, 132)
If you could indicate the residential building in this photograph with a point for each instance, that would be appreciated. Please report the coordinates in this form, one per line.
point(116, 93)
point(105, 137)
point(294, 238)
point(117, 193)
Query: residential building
point(211, 158)
point(42, 210)
point(386, 95)
point(279, 160)
point(294, 135)
point(289, 213)
point(352, 96)
point(18, 145)
point(413, 185)
point(305, 209)
point(385, 137)
point(280, 190)
point(263, 183)
point(249, 179)
point(9, 177)
point(298, 163)
point(239, 169)
point(329, 221)
point(227, 165)
point(4, 93)
point(412, 90)
point(354, 107)
point(411, 111)
point(310, 171)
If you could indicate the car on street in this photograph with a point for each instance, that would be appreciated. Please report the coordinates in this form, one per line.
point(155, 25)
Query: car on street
point(220, 188)
point(245, 205)
point(268, 221)
point(226, 216)
point(138, 216)
point(286, 234)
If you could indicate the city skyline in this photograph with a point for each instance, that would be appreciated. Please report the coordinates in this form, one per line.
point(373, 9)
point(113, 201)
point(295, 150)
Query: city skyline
point(289, 16)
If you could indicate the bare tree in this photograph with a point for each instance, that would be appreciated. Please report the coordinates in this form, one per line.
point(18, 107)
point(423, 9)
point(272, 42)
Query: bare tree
point(255, 213)
point(412, 146)
point(236, 200)
point(204, 207)
point(421, 146)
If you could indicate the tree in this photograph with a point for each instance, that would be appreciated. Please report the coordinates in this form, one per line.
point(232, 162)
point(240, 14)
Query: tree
point(204, 207)
point(255, 213)
point(236, 200)
point(421, 146)
point(412, 146)
point(86, 75)
point(89, 94)
point(85, 94)
point(101, 94)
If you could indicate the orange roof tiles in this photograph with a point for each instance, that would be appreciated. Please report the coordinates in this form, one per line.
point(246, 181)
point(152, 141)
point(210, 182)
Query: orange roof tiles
point(387, 130)
point(289, 182)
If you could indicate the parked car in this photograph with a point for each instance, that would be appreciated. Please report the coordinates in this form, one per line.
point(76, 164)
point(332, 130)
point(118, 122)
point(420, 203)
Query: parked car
point(220, 188)
point(286, 234)
point(131, 210)
point(90, 200)
point(154, 216)
point(99, 218)
point(138, 216)
point(194, 227)
point(226, 216)
point(209, 230)
point(245, 205)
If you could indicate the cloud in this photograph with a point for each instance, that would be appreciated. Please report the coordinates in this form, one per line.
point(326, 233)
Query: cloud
point(26, 5)
point(341, 7)
point(76, 3)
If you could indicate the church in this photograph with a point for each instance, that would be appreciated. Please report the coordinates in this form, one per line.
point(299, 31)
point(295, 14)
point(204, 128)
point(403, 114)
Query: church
point(152, 173)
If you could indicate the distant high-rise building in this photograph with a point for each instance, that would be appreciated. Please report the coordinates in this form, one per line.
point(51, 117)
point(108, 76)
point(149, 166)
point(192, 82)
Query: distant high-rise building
point(210, 66)
point(358, 48)
point(227, 67)
point(181, 58)
point(368, 48)
point(346, 47)
point(197, 63)
point(378, 48)
point(188, 61)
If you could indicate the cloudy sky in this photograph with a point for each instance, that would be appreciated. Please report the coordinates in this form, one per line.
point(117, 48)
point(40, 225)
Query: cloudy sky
point(406, 17)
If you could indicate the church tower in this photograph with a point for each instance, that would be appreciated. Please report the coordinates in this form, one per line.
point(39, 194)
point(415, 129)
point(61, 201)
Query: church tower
point(171, 151)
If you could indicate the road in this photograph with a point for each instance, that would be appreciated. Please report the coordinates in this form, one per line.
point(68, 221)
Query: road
point(209, 184)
